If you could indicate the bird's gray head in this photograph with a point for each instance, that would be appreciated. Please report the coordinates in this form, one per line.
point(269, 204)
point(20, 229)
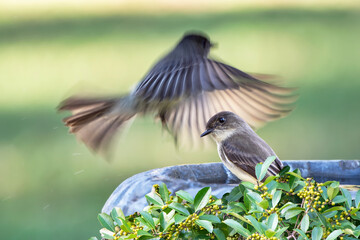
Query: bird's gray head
point(224, 124)
point(196, 42)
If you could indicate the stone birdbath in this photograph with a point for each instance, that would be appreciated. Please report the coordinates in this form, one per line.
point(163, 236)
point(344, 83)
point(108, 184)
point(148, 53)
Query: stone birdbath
point(130, 194)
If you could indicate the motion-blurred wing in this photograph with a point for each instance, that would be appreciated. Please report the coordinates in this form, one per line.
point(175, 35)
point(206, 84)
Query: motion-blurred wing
point(180, 77)
point(189, 117)
point(202, 87)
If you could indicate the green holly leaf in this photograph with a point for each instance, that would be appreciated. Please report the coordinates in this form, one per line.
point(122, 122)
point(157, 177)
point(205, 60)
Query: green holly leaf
point(357, 199)
point(148, 218)
point(269, 233)
point(125, 225)
point(286, 207)
point(276, 198)
point(248, 185)
point(210, 218)
point(106, 233)
point(304, 225)
point(116, 213)
point(162, 220)
point(279, 232)
point(264, 204)
point(322, 219)
point(302, 233)
point(205, 224)
point(202, 198)
point(154, 198)
point(295, 175)
point(106, 221)
point(332, 192)
point(258, 170)
point(264, 167)
point(237, 227)
point(273, 221)
point(256, 224)
point(185, 195)
point(179, 208)
point(337, 208)
point(219, 234)
point(235, 194)
point(179, 218)
point(144, 233)
point(316, 233)
point(254, 197)
point(334, 235)
point(292, 212)
point(269, 179)
point(284, 170)
point(283, 186)
point(164, 192)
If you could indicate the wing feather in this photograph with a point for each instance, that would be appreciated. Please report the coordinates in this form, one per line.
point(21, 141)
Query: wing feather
point(247, 160)
point(197, 87)
point(201, 107)
point(166, 89)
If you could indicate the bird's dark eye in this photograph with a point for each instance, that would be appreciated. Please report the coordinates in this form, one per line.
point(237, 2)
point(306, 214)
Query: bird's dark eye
point(222, 120)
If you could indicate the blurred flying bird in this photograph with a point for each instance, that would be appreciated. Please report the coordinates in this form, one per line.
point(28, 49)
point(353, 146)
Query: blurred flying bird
point(183, 90)
point(239, 147)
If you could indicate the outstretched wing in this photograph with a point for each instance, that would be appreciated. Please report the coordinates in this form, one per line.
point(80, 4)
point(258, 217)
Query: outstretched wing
point(174, 78)
point(202, 87)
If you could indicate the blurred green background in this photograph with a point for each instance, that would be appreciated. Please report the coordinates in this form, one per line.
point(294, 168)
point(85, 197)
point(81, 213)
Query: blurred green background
point(52, 187)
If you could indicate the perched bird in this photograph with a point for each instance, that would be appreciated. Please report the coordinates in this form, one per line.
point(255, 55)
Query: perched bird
point(239, 147)
point(183, 89)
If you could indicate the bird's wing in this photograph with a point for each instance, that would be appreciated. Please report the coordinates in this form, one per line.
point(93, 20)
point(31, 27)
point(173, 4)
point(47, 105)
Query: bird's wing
point(246, 159)
point(202, 87)
point(189, 117)
point(183, 77)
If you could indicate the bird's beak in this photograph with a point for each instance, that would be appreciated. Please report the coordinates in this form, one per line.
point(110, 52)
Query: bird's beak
point(213, 45)
point(208, 131)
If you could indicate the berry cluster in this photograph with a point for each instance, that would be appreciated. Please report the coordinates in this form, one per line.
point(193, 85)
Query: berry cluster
point(263, 189)
point(187, 224)
point(344, 215)
point(119, 232)
point(212, 209)
point(283, 179)
point(235, 237)
point(312, 193)
point(267, 212)
point(131, 218)
point(257, 236)
point(325, 235)
point(156, 188)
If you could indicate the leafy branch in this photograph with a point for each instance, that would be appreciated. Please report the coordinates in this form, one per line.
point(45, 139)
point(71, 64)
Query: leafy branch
point(285, 206)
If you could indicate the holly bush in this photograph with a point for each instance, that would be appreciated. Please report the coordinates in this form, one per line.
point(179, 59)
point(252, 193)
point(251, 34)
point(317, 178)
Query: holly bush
point(285, 206)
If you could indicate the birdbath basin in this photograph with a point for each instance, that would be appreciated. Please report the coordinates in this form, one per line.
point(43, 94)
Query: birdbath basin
point(130, 194)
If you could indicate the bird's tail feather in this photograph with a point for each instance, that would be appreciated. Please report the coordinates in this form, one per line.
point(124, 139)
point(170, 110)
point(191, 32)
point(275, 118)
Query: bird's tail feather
point(94, 122)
